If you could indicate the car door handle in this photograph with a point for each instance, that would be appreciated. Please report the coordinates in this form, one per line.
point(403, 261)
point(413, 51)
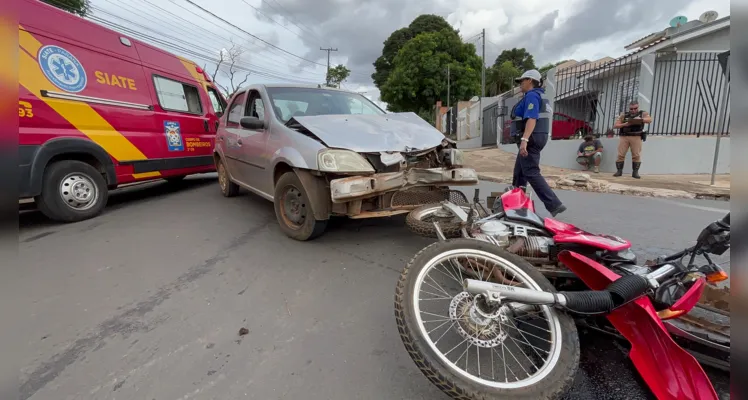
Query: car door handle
point(206, 126)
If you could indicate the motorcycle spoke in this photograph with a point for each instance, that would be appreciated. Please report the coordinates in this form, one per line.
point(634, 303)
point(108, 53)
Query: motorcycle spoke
point(515, 359)
point(448, 273)
point(440, 286)
point(458, 345)
point(535, 336)
point(433, 294)
point(442, 324)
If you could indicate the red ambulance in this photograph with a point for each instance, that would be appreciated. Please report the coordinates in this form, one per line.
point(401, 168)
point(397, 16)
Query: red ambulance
point(98, 109)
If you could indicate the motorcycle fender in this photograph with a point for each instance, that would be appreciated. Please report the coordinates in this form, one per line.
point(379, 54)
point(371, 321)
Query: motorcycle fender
point(670, 372)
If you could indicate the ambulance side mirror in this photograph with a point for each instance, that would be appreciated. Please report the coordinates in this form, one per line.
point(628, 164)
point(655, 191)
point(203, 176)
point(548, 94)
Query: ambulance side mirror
point(252, 123)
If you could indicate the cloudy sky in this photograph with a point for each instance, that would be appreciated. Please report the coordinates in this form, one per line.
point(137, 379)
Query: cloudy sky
point(281, 39)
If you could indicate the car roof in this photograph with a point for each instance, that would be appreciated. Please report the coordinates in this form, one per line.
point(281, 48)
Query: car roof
point(291, 85)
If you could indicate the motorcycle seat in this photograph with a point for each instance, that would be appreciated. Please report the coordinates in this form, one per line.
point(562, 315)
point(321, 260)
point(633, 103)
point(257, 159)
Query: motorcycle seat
point(526, 216)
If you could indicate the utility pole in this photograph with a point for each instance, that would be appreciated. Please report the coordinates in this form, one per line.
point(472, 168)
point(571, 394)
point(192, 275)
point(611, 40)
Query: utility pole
point(449, 118)
point(327, 76)
point(482, 81)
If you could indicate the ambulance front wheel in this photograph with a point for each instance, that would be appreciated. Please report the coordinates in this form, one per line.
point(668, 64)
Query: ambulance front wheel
point(72, 191)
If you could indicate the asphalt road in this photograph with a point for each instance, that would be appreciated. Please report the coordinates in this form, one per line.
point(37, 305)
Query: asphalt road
point(146, 301)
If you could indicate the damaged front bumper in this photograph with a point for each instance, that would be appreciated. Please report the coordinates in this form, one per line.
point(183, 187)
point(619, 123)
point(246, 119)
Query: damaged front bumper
point(362, 187)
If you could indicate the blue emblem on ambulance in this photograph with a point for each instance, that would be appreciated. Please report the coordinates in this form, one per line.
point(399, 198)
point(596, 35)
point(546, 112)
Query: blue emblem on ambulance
point(62, 68)
point(173, 136)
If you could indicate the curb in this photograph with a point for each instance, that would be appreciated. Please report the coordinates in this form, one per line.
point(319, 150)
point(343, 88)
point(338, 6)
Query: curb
point(603, 186)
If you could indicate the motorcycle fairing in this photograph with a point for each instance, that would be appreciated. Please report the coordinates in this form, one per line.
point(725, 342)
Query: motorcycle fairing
point(516, 198)
point(670, 372)
point(568, 233)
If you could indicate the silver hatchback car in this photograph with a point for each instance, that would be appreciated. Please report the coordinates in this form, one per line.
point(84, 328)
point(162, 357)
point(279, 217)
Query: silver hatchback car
point(317, 152)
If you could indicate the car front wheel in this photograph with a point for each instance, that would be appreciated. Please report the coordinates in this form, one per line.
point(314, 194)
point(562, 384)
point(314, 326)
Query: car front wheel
point(293, 209)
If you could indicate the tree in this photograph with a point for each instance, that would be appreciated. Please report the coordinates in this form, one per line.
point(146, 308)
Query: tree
point(549, 66)
point(500, 78)
point(383, 66)
point(520, 58)
point(419, 77)
point(337, 74)
point(227, 64)
point(80, 7)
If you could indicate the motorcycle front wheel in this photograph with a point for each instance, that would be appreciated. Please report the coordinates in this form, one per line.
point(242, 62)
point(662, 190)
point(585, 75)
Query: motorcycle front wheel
point(444, 328)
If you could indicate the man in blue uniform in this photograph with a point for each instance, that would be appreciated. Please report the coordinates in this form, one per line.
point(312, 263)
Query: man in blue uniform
point(531, 122)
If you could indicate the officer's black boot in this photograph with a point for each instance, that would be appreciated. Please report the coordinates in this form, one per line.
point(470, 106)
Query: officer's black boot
point(619, 167)
point(635, 174)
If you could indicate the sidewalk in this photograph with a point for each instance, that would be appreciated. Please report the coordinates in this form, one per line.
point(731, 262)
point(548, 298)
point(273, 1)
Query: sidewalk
point(497, 165)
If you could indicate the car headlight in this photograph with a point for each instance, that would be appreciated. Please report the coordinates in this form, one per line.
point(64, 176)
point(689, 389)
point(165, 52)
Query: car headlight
point(453, 157)
point(332, 160)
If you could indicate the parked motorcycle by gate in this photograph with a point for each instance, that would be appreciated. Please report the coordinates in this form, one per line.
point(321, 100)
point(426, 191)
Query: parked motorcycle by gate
point(498, 327)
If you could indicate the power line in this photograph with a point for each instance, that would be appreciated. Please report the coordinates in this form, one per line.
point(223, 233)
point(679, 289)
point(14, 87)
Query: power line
point(287, 14)
point(191, 45)
point(198, 55)
point(274, 21)
point(160, 23)
point(252, 35)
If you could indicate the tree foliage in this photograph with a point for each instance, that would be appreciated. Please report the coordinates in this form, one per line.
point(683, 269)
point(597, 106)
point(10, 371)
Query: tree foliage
point(500, 78)
point(384, 65)
point(419, 76)
point(519, 57)
point(509, 65)
point(80, 7)
point(337, 75)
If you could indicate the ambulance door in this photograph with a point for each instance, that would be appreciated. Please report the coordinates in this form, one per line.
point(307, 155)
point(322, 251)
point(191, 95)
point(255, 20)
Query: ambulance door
point(186, 132)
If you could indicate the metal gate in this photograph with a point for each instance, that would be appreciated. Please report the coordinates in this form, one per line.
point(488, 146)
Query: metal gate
point(490, 128)
point(590, 96)
point(689, 89)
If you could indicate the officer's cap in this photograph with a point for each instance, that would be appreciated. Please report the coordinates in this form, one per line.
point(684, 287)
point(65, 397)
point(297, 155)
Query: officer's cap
point(533, 74)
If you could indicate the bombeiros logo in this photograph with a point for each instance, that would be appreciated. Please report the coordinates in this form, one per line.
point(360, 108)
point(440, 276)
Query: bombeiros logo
point(62, 68)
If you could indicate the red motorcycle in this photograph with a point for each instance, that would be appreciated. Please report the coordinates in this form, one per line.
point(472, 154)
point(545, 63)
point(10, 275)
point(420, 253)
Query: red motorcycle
point(513, 226)
point(502, 314)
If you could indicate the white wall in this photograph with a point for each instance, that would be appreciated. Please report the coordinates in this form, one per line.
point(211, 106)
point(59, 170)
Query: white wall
point(714, 42)
point(660, 155)
point(468, 127)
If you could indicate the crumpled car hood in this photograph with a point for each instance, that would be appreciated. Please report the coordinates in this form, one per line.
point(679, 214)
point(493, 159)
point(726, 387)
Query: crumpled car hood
point(403, 132)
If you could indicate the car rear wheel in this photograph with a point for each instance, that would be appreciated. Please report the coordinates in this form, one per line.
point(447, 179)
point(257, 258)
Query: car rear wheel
point(580, 132)
point(293, 209)
point(228, 188)
point(72, 191)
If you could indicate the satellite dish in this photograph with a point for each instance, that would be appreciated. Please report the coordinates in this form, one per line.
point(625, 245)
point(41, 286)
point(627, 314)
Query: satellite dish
point(678, 21)
point(708, 16)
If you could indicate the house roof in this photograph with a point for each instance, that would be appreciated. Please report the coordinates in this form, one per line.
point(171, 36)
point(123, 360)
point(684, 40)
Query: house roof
point(687, 34)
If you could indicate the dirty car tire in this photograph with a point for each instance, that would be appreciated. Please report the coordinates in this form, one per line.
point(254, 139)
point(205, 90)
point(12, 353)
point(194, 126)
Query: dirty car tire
point(72, 175)
point(289, 189)
point(426, 228)
point(228, 188)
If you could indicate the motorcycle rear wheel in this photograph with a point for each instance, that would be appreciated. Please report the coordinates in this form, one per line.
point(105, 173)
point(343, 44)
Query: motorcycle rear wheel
point(555, 378)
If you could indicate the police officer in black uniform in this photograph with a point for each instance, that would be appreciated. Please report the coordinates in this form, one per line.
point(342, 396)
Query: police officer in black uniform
point(530, 127)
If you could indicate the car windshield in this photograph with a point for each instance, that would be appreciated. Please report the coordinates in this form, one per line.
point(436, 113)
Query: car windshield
point(291, 102)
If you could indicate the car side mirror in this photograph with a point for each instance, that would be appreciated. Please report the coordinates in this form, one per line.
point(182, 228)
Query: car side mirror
point(252, 123)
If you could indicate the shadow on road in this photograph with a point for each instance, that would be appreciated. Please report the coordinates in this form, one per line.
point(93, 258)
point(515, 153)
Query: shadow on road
point(31, 217)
